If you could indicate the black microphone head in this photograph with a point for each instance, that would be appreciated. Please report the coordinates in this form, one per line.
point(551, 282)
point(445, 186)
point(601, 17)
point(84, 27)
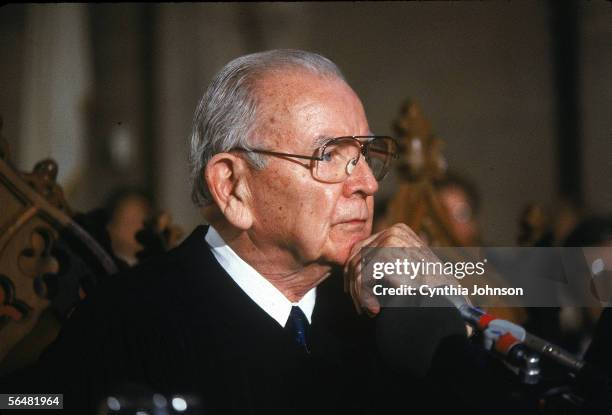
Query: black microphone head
point(409, 338)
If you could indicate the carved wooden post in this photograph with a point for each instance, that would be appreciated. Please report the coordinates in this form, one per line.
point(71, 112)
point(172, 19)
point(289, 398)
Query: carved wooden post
point(33, 218)
point(421, 163)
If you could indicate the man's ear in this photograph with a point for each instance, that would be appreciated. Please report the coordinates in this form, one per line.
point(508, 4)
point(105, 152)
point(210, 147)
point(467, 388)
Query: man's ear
point(226, 176)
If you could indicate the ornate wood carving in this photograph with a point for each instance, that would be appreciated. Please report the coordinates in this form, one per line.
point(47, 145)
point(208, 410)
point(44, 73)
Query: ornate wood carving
point(421, 163)
point(35, 226)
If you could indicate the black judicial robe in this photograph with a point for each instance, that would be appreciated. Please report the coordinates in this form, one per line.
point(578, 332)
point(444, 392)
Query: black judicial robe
point(180, 324)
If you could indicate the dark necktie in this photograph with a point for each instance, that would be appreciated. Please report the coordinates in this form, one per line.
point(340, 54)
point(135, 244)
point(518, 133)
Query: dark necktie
point(298, 326)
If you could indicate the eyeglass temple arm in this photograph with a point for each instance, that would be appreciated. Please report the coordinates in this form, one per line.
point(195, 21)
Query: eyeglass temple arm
point(275, 153)
point(387, 153)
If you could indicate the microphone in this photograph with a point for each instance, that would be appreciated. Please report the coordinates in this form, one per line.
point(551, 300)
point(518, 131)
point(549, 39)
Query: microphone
point(504, 336)
point(442, 322)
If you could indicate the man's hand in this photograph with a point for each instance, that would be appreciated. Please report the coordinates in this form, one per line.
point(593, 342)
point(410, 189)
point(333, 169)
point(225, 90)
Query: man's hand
point(396, 236)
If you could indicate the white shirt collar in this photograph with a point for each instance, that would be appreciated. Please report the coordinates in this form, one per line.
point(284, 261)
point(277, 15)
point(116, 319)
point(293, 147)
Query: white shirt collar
point(258, 288)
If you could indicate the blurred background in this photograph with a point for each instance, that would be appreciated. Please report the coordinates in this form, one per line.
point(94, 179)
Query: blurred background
point(519, 91)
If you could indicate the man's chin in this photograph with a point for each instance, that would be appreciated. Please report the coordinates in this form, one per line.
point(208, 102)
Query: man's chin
point(342, 253)
point(344, 242)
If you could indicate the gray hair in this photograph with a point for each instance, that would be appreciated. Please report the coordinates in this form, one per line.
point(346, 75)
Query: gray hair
point(227, 114)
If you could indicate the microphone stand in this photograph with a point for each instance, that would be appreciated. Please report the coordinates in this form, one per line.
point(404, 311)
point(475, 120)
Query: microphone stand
point(523, 353)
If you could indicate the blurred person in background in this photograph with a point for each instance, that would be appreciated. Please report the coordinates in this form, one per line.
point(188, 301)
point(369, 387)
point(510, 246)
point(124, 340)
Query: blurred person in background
point(128, 211)
point(462, 203)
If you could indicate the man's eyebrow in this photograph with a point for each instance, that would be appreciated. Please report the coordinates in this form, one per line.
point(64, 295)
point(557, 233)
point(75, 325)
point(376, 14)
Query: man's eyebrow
point(320, 140)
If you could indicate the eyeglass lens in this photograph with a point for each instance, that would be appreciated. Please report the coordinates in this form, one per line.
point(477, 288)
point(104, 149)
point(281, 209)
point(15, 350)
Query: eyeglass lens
point(340, 157)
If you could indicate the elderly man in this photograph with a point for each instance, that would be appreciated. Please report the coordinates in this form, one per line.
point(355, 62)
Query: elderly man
point(250, 313)
point(286, 167)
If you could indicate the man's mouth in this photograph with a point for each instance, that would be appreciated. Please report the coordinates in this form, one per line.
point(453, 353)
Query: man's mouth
point(355, 217)
point(353, 223)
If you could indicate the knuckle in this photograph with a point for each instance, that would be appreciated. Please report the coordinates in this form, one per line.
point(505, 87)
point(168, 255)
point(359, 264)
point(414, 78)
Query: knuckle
point(402, 226)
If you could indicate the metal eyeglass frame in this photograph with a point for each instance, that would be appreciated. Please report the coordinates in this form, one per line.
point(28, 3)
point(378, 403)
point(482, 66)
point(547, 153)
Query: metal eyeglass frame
point(364, 149)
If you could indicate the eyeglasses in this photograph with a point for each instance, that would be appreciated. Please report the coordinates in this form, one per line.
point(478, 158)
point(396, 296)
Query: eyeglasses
point(335, 160)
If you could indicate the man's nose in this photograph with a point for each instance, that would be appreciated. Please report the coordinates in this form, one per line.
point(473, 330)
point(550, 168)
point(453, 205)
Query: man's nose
point(361, 180)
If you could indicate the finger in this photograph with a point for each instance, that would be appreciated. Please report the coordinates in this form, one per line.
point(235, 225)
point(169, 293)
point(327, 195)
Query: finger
point(353, 283)
point(354, 289)
point(357, 305)
point(362, 295)
point(367, 298)
point(357, 280)
point(351, 264)
point(347, 277)
point(348, 270)
point(371, 304)
point(364, 299)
